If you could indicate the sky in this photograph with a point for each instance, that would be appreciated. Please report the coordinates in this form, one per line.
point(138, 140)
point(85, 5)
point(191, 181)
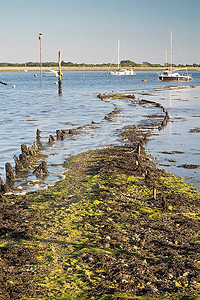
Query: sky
point(86, 31)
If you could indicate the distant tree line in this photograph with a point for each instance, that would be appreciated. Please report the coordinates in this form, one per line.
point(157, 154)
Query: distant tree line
point(128, 63)
point(123, 64)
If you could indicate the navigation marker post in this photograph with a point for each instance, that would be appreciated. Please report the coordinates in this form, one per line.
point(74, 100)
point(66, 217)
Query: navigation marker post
point(60, 74)
point(40, 39)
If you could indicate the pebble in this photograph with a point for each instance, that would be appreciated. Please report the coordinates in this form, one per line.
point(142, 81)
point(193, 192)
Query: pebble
point(19, 187)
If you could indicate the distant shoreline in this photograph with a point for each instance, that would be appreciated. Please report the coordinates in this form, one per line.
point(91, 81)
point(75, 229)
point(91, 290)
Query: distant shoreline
point(86, 68)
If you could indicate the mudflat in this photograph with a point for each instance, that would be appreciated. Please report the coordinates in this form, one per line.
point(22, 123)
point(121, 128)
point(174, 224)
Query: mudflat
point(116, 227)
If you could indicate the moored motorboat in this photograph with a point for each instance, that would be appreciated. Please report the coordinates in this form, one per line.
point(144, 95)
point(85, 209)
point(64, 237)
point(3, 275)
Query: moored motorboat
point(174, 75)
point(122, 72)
point(25, 69)
point(51, 73)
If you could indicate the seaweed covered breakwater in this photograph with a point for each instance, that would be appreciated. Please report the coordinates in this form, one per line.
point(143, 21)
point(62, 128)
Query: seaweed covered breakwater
point(139, 102)
point(116, 227)
point(31, 161)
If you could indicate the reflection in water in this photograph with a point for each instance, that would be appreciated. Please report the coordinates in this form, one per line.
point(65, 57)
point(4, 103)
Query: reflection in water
point(177, 146)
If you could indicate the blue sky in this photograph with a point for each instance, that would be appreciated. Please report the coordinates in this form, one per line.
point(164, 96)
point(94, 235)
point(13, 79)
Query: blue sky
point(88, 30)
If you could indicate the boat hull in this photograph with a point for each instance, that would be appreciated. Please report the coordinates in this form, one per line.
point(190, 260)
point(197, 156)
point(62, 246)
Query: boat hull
point(122, 73)
point(50, 75)
point(171, 78)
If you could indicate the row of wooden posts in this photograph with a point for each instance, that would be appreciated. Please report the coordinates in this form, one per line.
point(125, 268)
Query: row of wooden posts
point(148, 177)
point(29, 155)
point(28, 158)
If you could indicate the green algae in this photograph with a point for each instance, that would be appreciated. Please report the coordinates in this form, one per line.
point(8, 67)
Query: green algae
point(76, 276)
point(93, 216)
point(176, 185)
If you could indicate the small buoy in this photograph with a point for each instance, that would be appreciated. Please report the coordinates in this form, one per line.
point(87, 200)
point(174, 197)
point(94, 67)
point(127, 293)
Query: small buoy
point(55, 82)
point(144, 80)
point(14, 86)
point(35, 75)
point(83, 74)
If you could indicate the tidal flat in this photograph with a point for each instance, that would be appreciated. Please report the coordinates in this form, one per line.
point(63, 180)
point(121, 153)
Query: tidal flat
point(116, 227)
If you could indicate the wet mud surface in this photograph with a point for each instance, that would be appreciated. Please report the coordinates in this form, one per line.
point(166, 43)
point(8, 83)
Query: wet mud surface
point(158, 253)
point(18, 261)
point(116, 227)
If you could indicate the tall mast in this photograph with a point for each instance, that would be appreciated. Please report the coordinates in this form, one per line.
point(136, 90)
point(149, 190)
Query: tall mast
point(166, 59)
point(118, 54)
point(171, 49)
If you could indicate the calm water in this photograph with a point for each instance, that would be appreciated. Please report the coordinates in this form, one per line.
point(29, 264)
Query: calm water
point(30, 106)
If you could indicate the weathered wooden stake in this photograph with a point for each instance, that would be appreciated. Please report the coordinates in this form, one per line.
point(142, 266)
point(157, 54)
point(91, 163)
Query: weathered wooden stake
point(164, 203)
point(9, 172)
point(139, 149)
point(1, 185)
point(58, 133)
point(154, 192)
point(39, 143)
point(23, 158)
point(38, 131)
point(18, 164)
point(30, 151)
point(24, 149)
point(42, 167)
point(147, 175)
point(60, 74)
point(35, 146)
point(51, 139)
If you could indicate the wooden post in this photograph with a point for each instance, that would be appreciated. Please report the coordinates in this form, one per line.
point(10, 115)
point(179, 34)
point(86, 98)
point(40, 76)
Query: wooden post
point(40, 39)
point(60, 74)
point(1, 185)
point(51, 139)
point(139, 149)
point(9, 172)
point(154, 192)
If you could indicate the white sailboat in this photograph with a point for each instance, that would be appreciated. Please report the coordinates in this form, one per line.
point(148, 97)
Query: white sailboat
point(173, 75)
point(25, 70)
point(121, 72)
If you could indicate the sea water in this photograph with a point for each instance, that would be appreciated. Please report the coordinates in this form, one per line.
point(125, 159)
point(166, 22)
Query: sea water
point(27, 106)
